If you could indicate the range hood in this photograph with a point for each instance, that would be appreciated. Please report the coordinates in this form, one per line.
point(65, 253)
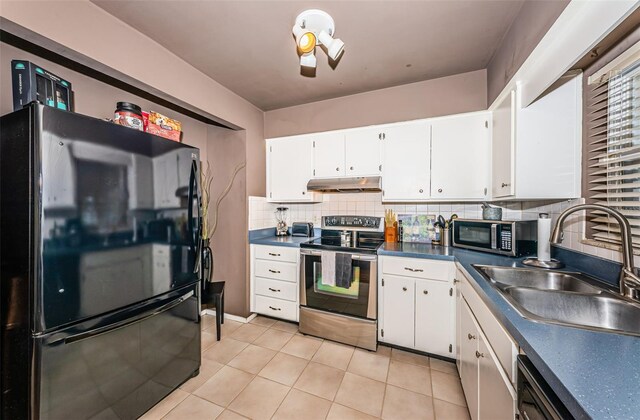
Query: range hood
point(353, 184)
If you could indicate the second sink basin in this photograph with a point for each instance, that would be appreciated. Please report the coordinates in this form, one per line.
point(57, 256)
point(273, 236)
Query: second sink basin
point(598, 312)
point(536, 278)
point(565, 298)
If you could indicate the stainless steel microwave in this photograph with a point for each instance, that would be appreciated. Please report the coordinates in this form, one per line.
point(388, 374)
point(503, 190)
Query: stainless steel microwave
point(513, 238)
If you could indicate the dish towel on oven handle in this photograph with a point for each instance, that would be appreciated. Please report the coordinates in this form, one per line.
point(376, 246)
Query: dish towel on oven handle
point(328, 262)
point(343, 270)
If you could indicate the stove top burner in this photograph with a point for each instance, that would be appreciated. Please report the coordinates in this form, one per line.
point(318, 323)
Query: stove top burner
point(362, 234)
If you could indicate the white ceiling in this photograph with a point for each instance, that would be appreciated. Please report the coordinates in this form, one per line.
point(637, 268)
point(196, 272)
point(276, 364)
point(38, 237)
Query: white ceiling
point(248, 47)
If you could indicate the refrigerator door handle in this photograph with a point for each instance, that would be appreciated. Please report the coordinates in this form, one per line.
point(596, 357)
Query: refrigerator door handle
point(122, 324)
point(196, 235)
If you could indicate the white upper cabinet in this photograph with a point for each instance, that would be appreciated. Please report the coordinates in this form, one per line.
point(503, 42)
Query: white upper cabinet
point(503, 147)
point(362, 149)
point(289, 169)
point(405, 161)
point(328, 155)
point(549, 144)
point(536, 151)
point(460, 147)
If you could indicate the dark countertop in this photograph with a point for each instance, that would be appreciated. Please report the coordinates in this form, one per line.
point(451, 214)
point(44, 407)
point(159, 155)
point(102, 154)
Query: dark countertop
point(595, 374)
point(267, 237)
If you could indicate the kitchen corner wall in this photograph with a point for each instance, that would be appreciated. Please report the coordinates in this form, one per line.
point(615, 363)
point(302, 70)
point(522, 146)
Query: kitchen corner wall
point(262, 214)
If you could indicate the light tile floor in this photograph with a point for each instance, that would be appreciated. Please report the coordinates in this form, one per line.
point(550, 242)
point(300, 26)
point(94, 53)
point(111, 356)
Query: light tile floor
point(267, 370)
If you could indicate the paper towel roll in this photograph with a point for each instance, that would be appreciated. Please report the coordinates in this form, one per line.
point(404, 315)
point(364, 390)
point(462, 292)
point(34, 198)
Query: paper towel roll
point(544, 234)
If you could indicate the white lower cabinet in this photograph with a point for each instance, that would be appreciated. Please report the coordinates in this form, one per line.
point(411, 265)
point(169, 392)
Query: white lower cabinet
point(487, 387)
point(274, 281)
point(434, 317)
point(417, 310)
point(398, 299)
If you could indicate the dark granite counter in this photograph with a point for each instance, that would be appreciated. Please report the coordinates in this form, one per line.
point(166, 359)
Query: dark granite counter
point(595, 374)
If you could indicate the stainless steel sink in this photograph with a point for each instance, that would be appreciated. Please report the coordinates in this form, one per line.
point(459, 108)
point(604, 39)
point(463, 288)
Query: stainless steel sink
point(536, 278)
point(571, 299)
point(598, 312)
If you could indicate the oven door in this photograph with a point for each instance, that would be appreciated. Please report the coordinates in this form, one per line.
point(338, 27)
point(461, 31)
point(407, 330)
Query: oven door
point(359, 300)
point(476, 235)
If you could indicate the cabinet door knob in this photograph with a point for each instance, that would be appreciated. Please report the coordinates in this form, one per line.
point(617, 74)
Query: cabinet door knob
point(351, 168)
point(304, 192)
point(479, 355)
point(426, 292)
point(337, 169)
point(505, 185)
point(421, 190)
point(404, 289)
point(439, 190)
point(471, 337)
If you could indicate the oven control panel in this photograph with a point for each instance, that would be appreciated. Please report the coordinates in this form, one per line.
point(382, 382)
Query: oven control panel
point(351, 222)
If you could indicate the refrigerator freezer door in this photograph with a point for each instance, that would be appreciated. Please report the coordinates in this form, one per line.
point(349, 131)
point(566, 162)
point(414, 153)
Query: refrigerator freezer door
point(100, 227)
point(120, 369)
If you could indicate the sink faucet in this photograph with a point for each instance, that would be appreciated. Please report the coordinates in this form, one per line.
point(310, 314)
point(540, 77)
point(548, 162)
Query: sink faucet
point(629, 280)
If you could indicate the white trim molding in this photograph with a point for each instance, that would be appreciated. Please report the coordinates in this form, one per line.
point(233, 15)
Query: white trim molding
point(229, 316)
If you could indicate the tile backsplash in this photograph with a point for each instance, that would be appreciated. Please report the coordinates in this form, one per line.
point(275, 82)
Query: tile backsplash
point(262, 214)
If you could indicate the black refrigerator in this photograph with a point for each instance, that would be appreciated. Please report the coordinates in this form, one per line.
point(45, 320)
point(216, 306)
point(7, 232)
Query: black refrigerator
point(100, 230)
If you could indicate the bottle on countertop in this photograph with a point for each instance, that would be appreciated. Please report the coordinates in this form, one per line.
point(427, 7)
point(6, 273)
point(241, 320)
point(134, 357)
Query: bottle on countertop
point(400, 230)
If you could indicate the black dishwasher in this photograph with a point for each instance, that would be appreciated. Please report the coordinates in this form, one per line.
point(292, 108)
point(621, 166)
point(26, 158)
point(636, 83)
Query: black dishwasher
point(536, 399)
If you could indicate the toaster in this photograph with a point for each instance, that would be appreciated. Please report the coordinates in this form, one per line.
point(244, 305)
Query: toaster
point(302, 229)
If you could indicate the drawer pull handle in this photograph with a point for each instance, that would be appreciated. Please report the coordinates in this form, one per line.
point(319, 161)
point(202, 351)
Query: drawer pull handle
point(274, 290)
point(479, 355)
point(274, 255)
point(426, 292)
point(505, 185)
point(274, 271)
point(274, 309)
point(414, 270)
point(404, 289)
point(471, 337)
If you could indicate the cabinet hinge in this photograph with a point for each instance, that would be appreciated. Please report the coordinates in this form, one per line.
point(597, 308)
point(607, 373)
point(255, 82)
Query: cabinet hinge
point(314, 174)
point(451, 291)
point(382, 333)
point(382, 282)
point(270, 149)
point(380, 168)
point(383, 192)
point(270, 195)
point(486, 124)
point(485, 190)
point(314, 143)
point(450, 348)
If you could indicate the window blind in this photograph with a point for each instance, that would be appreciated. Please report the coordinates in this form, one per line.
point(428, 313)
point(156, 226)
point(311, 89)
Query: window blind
point(613, 152)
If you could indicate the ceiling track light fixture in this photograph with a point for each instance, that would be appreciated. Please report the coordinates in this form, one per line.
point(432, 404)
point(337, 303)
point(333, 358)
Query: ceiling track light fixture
point(315, 27)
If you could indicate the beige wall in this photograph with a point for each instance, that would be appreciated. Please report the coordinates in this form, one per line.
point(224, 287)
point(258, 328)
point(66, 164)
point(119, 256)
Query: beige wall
point(229, 242)
point(447, 95)
point(532, 23)
point(95, 38)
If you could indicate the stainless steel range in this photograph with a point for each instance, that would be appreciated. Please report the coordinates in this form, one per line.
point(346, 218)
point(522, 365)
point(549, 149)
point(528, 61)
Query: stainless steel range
point(338, 272)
